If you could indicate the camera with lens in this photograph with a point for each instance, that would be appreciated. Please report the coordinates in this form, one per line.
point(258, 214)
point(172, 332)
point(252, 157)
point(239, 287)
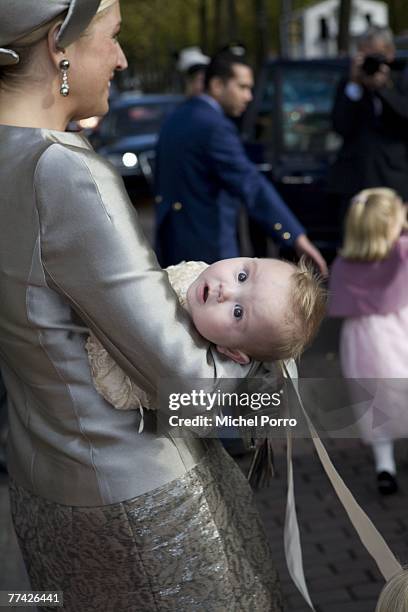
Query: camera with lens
point(372, 64)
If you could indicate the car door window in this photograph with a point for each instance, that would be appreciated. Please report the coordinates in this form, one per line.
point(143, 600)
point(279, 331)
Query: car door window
point(264, 124)
point(139, 119)
point(307, 100)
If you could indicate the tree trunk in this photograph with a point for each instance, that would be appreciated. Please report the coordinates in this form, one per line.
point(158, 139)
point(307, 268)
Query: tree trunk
point(398, 15)
point(232, 20)
point(203, 27)
point(284, 42)
point(218, 25)
point(343, 40)
point(261, 29)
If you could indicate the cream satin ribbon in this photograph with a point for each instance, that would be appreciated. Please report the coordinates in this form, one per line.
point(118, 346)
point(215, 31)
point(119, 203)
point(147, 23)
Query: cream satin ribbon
point(367, 532)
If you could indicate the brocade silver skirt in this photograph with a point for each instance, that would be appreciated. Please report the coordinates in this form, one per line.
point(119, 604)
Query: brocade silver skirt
point(193, 544)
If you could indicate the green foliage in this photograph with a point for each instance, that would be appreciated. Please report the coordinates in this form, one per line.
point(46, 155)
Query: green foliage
point(157, 27)
point(154, 30)
point(398, 15)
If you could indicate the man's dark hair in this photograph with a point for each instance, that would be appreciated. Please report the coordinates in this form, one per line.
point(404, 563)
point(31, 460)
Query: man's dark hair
point(222, 66)
point(192, 71)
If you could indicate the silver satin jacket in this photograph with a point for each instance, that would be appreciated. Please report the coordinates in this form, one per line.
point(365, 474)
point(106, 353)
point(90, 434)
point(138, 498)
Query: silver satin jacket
point(73, 258)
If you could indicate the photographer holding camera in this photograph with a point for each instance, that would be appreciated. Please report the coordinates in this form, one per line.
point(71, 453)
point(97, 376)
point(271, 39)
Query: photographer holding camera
point(371, 114)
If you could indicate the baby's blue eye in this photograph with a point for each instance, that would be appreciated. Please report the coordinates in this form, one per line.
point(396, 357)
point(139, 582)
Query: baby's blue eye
point(238, 312)
point(242, 276)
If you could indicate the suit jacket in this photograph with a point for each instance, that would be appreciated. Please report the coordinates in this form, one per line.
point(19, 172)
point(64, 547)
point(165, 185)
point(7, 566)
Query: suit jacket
point(375, 145)
point(200, 159)
point(73, 258)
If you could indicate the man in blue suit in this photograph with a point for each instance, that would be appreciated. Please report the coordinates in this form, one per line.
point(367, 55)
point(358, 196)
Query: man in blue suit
point(201, 166)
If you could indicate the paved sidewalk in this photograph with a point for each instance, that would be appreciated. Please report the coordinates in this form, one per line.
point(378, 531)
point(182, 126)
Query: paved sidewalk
point(340, 575)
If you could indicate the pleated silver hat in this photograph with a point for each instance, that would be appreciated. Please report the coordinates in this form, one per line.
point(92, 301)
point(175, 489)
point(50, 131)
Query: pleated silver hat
point(18, 18)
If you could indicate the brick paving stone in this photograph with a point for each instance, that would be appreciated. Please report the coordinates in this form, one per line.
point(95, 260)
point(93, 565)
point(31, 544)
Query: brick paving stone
point(295, 603)
point(362, 606)
point(362, 591)
point(356, 580)
point(11, 565)
point(333, 596)
point(319, 572)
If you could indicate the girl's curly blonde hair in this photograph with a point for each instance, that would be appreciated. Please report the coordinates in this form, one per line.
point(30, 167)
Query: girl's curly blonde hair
point(394, 596)
point(370, 224)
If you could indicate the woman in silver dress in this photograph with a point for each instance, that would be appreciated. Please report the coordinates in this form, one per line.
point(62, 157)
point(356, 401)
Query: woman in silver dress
point(114, 519)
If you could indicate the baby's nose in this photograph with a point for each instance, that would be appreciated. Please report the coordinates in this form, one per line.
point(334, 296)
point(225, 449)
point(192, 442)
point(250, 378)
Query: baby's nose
point(224, 293)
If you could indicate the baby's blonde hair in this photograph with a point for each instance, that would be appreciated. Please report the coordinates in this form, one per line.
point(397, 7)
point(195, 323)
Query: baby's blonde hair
point(369, 223)
point(394, 596)
point(306, 310)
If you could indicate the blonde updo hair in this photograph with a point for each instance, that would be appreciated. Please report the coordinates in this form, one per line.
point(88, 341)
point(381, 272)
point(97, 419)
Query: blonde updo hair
point(104, 6)
point(11, 76)
point(394, 596)
point(369, 224)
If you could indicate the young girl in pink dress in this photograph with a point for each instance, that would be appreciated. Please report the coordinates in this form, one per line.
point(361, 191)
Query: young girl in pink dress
point(369, 289)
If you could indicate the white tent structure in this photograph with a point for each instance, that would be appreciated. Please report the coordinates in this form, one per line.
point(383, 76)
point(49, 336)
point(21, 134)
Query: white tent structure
point(312, 31)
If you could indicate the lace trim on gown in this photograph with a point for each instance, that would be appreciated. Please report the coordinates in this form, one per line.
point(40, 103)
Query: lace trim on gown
point(108, 378)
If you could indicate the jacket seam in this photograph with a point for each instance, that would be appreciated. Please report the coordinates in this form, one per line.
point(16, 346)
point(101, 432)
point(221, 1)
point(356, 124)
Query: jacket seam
point(66, 384)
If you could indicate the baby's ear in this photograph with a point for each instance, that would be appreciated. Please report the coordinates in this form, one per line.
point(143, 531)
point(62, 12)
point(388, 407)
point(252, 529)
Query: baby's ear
point(234, 354)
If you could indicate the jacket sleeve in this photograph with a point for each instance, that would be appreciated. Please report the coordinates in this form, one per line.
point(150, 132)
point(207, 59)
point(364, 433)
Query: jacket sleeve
point(96, 256)
point(396, 98)
point(240, 177)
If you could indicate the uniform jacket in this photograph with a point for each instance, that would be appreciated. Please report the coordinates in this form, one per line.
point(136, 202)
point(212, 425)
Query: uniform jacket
point(200, 159)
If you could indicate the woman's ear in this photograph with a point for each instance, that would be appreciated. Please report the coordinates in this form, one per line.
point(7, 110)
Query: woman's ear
point(234, 354)
point(56, 54)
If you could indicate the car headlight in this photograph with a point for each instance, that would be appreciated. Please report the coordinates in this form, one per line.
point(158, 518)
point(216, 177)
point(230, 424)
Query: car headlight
point(129, 160)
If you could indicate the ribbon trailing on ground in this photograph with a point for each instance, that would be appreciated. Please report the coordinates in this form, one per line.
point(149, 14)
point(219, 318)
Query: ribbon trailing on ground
point(369, 535)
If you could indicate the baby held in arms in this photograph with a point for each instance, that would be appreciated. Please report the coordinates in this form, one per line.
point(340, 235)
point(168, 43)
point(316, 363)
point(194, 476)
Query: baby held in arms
point(263, 309)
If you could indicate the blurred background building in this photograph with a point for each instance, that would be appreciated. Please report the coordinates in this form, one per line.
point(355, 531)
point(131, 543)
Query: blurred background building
point(313, 31)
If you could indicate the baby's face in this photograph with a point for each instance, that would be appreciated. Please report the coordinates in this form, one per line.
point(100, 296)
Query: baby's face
point(235, 302)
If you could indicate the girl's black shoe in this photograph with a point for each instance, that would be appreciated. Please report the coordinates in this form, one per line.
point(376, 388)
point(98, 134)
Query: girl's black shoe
point(387, 483)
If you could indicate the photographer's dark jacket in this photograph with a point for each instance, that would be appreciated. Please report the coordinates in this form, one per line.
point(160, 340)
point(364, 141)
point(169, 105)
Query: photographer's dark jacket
point(375, 139)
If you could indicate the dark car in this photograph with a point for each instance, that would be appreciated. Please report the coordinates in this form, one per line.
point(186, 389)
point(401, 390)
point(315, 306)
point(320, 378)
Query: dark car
point(127, 135)
point(288, 133)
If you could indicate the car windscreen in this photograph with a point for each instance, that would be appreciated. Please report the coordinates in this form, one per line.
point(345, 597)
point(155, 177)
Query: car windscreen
point(138, 119)
point(302, 95)
point(307, 101)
